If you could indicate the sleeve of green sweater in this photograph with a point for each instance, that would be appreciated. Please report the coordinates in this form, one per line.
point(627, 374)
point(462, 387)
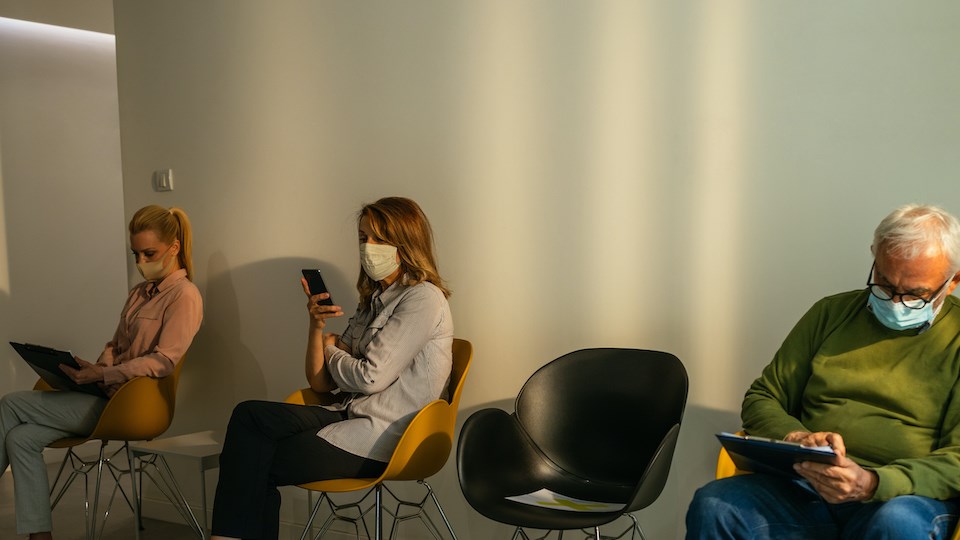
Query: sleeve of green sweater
point(771, 407)
point(936, 475)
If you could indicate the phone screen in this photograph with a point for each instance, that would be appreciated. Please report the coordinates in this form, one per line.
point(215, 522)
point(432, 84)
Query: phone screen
point(316, 285)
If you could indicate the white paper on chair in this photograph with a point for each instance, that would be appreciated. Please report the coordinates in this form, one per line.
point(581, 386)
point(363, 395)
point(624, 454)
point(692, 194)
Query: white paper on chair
point(556, 501)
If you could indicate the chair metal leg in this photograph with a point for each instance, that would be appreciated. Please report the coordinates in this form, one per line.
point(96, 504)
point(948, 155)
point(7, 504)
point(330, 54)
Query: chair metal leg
point(379, 516)
point(133, 486)
point(92, 526)
point(83, 468)
point(56, 479)
point(443, 514)
point(313, 515)
point(636, 526)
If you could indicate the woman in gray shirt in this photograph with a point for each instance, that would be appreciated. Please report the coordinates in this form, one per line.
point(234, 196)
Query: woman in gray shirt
point(393, 359)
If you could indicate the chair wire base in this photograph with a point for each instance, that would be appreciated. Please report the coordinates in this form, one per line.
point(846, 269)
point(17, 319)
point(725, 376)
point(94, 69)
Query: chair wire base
point(520, 533)
point(633, 529)
point(91, 511)
point(355, 513)
point(166, 483)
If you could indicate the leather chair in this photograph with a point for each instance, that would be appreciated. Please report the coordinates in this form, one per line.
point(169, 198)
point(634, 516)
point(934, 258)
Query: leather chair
point(595, 425)
point(422, 451)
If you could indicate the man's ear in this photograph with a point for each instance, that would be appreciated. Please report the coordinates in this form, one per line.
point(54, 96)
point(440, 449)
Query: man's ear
point(954, 281)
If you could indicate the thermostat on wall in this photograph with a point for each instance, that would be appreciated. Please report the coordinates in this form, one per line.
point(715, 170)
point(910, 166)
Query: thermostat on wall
point(163, 180)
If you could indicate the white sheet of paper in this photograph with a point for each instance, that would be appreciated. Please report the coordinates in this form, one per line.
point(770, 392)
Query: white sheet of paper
point(556, 501)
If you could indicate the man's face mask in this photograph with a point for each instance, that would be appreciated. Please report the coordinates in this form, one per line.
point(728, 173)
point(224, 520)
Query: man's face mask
point(909, 313)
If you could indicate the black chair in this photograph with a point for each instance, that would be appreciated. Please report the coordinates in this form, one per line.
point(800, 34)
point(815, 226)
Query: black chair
point(596, 424)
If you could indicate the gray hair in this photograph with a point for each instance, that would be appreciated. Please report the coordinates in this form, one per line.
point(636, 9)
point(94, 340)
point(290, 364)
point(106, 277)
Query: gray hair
point(916, 229)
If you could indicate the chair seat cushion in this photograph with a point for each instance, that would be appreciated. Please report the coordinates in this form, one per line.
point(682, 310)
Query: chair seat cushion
point(491, 436)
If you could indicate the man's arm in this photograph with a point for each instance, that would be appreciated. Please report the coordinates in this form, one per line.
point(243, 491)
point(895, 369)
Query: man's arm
point(771, 406)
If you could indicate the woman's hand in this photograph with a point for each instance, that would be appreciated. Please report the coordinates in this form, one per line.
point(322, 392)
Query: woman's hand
point(319, 313)
point(88, 373)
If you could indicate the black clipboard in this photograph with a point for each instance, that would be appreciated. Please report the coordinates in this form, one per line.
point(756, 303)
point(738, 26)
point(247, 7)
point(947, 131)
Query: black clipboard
point(762, 455)
point(46, 362)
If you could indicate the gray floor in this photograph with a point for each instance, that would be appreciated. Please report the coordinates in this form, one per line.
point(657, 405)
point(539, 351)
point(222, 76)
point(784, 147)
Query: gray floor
point(68, 521)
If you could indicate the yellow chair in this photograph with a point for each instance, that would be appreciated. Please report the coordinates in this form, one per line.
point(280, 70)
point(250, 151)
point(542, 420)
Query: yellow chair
point(725, 465)
point(422, 451)
point(141, 409)
point(726, 468)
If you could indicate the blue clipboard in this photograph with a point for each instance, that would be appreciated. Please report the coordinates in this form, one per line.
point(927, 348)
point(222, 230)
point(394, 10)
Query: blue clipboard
point(772, 456)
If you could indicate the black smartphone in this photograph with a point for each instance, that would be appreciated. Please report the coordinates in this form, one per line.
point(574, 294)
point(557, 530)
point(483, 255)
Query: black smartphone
point(316, 285)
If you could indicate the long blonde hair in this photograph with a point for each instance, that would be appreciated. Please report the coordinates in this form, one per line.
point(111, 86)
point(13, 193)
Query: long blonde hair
point(169, 225)
point(400, 222)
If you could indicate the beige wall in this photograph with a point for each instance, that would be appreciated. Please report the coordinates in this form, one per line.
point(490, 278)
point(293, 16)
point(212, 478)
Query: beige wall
point(62, 236)
point(687, 176)
point(93, 15)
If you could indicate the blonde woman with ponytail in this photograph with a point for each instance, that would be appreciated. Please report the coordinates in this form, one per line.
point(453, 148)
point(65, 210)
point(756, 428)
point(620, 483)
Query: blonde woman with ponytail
point(157, 325)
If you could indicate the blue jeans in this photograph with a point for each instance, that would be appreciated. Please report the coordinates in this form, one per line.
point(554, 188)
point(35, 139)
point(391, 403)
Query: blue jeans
point(761, 506)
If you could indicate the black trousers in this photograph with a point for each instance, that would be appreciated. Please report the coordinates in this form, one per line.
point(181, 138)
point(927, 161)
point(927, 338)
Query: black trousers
point(270, 444)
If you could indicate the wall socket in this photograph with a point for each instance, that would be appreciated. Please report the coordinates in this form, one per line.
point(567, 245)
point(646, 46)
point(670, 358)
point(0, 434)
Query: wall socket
point(163, 180)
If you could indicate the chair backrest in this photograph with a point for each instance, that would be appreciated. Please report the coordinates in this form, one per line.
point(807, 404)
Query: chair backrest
point(141, 409)
point(605, 414)
point(426, 443)
point(462, 355)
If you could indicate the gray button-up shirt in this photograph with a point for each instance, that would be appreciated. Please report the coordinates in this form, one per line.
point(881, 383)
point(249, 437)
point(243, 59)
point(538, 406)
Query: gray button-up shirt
point(401, 358)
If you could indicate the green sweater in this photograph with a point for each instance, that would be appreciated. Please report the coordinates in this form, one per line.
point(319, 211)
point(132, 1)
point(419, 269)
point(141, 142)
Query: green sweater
point(893, 396)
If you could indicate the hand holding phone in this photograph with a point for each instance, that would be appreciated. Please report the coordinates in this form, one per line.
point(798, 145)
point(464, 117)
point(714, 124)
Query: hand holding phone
point(316, 285)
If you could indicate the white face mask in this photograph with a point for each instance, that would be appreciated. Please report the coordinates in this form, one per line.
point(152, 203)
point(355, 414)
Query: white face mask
point(154, 270)
point(378, 260)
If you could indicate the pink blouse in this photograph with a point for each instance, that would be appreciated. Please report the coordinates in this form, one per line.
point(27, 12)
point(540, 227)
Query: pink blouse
point(156, 328)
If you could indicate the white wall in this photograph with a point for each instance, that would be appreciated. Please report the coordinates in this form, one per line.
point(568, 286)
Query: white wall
point(63, 245)
point(93, 15)
point(687, 176)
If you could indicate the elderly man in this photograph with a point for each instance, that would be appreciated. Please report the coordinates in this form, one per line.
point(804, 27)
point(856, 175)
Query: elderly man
point(874, 373)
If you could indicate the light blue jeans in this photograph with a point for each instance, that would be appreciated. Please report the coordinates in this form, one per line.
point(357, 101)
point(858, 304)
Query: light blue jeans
point(759, 506)
point(29, 421)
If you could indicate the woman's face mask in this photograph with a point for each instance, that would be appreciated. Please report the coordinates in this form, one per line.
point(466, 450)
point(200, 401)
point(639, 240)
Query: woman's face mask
point(378, 260)
point(155, 270)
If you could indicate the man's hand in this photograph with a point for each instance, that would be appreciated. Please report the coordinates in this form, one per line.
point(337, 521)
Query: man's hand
point(820, 438)
point(88, 373)
point(844, 482)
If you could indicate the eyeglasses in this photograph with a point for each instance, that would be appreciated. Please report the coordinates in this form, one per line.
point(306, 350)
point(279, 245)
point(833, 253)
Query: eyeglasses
point(912, 301)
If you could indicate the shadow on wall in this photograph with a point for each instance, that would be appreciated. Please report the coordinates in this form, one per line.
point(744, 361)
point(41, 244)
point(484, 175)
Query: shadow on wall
point(235, 355)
